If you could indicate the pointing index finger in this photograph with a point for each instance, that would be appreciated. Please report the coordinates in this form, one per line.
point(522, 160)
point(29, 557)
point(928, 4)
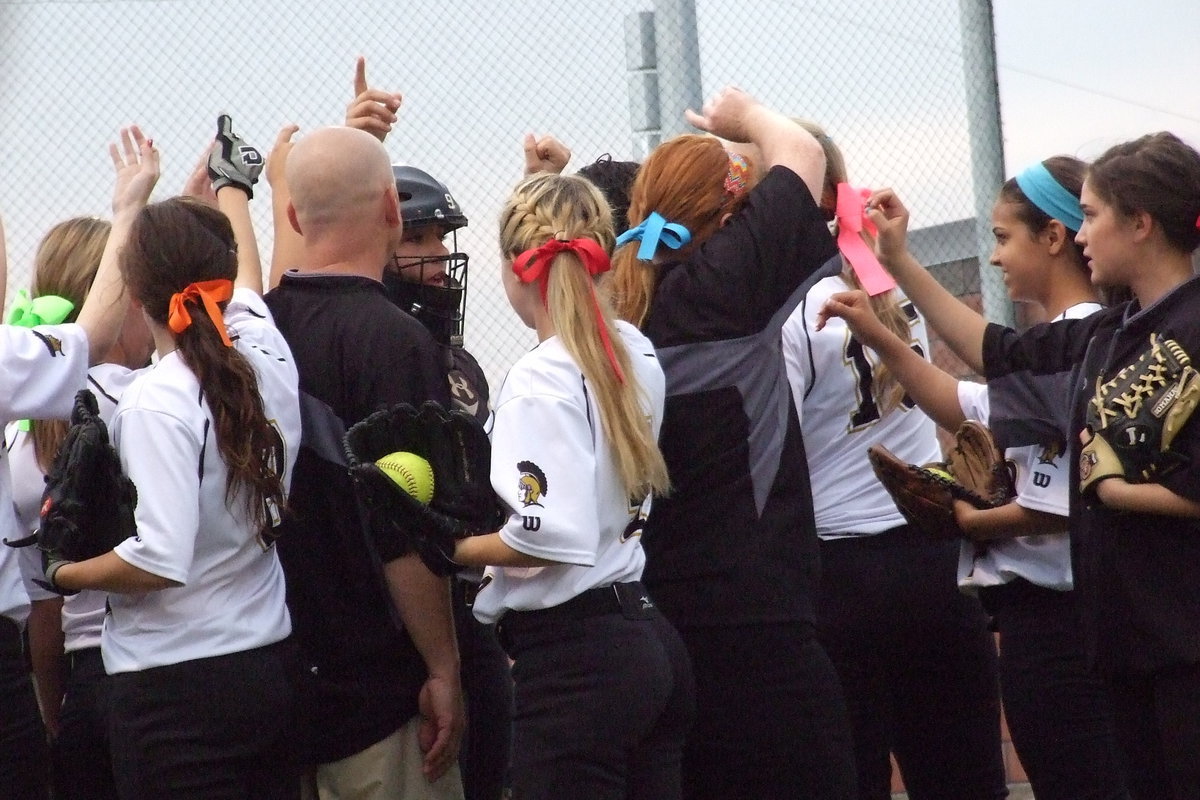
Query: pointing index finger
point(360, 76)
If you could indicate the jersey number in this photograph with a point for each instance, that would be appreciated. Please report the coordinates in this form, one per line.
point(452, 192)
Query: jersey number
point(867, 411)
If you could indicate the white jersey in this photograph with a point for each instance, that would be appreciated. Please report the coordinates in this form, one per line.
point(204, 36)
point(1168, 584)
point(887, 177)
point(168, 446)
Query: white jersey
point(40, 371)
point(82, 613)
point(553, 468)
point(832, 378)
point(231, 596)
point(1042, 484)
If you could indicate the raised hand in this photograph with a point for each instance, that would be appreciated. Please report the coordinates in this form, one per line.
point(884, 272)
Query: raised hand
point(546, 154)
point(232, 162)
point(198, 185)
point(726, 114)
point(136, 162)
point(891, 218)
point(371, 110)
point(855, 308)
point(277, 158)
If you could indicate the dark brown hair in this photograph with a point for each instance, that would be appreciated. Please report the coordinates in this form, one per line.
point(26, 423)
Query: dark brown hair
point(1068, 171)
point(1158, 174)
point(174, 244)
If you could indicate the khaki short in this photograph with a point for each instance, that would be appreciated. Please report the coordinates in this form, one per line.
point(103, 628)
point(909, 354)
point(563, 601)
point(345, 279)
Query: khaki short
point(387, 770)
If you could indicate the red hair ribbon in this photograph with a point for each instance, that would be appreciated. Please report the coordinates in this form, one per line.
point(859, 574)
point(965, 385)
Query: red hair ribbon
point(207, 292)
point(851, 221)
point(534, 265)
point(1198, 222)
point(738, 174)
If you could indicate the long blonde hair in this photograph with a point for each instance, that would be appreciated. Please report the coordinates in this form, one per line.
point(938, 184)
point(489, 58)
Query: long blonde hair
point(65, 265)
point(548, 206)
point(888, 391)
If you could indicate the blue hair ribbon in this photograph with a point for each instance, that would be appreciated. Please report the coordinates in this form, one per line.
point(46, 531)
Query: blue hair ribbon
point(653, 231)
point(1049, 195)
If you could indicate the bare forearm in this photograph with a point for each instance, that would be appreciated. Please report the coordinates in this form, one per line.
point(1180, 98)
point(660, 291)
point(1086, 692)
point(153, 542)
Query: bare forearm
point(235, 204)
point(109, 573)
point(288, 249)
point(490, 550)
point(45, 654)
point(932, 389)
point(1006, 522)
point(1145, 498)
point(104, 309)
point(423, 600)
point(783, 142)
point(959, 325)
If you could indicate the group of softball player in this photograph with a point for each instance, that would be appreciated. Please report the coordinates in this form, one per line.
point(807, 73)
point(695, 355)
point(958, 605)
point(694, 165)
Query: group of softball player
point(700, 591)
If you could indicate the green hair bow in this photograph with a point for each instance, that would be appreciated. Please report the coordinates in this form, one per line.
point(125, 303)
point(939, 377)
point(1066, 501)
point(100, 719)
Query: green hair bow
point(49, 309)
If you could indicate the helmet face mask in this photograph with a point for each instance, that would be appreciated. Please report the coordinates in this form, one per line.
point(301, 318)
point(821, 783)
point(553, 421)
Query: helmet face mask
point(430, 286)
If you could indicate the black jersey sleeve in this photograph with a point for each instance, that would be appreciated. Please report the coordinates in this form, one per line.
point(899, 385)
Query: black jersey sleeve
point(750, 268)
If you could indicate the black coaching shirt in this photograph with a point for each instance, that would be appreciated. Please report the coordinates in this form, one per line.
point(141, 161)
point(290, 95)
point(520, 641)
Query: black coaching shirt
point(735, 541)
point(1135, 573)
point(357, 353)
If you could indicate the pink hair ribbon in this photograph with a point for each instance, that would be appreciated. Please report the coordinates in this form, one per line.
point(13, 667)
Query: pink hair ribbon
point(534, 265)
point(851, 221)
point(209, 293)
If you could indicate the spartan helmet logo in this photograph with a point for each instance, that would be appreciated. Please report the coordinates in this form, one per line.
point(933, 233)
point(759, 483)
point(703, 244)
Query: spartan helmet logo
point(531, 486)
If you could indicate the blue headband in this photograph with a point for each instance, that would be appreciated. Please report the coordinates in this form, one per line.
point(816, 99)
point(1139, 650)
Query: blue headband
point(653, 231)
point(1049, 195)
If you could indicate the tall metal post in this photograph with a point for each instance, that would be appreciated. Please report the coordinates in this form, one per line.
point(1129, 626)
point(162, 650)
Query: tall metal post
point(678, 55)
point(987, 145)
point(642, 63)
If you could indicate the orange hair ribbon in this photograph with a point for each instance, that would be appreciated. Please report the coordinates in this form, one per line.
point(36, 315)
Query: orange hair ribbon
point(207, 292)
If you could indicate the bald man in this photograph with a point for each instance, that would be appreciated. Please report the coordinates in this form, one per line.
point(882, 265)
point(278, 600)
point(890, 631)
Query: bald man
point(384, 702)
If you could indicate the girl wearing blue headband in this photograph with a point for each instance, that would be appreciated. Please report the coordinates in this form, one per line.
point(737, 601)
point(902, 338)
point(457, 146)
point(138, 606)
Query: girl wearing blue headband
point(1018, 558)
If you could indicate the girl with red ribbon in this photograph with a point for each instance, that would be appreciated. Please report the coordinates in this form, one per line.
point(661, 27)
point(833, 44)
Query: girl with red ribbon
point(576, 460)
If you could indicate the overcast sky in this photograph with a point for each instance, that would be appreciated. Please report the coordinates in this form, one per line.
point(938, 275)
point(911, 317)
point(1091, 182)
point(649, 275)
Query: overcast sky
point(885, 78)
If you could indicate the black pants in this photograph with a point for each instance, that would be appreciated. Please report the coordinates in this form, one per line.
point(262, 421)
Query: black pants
point(24, 764)
point(487, 685)
point(82, 766)
point(603, 704)
point(216, 728)
point(1059, 712)
point(771, 722)
point(917, 665)
point(1158, 728)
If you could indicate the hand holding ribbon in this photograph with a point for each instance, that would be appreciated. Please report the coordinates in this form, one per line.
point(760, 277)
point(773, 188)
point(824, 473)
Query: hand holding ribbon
point(851, 221)
point(207, 292)
point(653, 231)
point(49, 309)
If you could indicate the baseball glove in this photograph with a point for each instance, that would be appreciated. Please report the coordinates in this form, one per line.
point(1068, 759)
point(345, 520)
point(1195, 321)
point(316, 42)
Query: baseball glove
point(974, 471)
point(463, 503)
point(1133, 418)
point(88, 502)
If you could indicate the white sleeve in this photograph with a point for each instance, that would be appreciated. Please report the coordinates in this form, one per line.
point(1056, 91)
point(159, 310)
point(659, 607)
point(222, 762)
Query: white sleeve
point(973, 400)
point(544, 444)
point(1043, 479)
point(41, 369)
point(161, 456)
point(795, 358)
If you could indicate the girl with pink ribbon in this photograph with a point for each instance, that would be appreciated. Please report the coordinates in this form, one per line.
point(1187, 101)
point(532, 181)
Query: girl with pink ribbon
point(603, 685)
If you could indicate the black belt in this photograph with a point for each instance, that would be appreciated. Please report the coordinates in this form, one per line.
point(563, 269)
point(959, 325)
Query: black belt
point(629, 599)
point(78, 659)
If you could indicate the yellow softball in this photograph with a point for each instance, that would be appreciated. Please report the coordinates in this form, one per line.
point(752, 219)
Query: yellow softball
point(411, 473)
point(938, 471)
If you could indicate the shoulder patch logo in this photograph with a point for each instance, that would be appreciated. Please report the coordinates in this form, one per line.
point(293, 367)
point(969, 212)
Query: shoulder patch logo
point(531, 486)
point(53, 343)
point(1050, 452)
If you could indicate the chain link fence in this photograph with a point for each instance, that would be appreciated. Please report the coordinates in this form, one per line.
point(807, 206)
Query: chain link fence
point(890, 84)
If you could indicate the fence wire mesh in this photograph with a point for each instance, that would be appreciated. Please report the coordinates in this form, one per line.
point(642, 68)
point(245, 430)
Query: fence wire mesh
point(892, 88)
